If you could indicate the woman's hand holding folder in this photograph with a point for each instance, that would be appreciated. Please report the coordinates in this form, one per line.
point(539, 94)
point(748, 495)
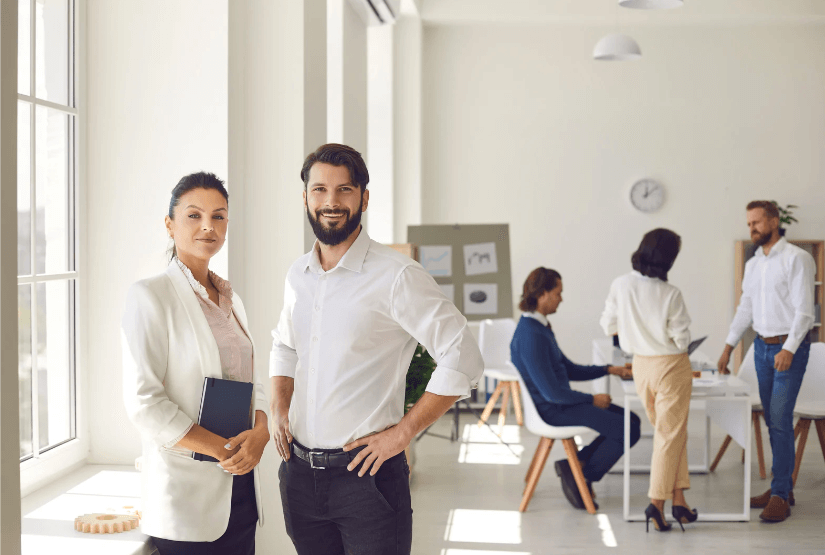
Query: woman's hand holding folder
point(248, 447)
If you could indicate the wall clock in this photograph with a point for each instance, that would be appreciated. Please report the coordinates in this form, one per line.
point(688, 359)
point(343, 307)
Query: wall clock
point(647, 195)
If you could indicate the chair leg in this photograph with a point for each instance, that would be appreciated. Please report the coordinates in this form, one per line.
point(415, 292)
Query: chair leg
point(804, 425)
point(721, 452)
point(576, 467)
point(533, 462)
point(502, 413)
point(757, 432)
point(514, 388)
point(539, 460)
point(796, 429)
point(820, 431)
point(488, 409)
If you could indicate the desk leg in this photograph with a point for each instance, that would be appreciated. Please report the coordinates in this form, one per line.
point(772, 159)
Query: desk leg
point(626, 457)
point(707, 441)
point(747, 417)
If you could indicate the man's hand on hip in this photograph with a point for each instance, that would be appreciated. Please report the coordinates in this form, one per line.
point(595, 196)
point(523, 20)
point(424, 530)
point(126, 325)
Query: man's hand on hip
point(379, 448)
point(782, 361)
point(281, 435)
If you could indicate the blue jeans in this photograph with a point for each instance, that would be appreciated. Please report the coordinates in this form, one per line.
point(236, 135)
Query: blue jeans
point(778, 392)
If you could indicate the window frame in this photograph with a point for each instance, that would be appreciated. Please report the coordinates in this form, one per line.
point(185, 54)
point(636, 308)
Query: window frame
point(49, 463)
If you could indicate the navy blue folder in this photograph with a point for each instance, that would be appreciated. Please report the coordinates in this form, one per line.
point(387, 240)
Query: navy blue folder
point(225, 409)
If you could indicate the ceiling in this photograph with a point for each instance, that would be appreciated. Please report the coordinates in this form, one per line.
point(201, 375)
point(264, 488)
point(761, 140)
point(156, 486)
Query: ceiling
point(607, 12)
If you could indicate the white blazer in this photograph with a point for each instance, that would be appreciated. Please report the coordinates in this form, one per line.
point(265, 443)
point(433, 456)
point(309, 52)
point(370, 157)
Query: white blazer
point(168, 349)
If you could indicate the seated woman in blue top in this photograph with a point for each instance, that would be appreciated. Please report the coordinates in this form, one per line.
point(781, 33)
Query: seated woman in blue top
point(547, 374)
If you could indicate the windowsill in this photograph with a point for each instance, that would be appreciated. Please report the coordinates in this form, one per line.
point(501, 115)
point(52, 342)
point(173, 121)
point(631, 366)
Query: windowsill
point(48, 514)
point(52, 465)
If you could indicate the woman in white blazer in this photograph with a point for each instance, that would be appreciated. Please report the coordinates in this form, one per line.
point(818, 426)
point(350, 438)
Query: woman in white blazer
point(180, 327)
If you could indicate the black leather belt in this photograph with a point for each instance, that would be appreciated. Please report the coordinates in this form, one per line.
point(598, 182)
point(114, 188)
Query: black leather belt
point(322, 459)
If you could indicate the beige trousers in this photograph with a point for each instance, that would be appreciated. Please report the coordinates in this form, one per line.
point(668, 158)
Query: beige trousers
point(664, 385)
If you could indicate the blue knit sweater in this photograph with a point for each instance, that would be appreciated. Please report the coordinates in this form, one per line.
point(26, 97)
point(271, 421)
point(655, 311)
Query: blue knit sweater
point(545, 369)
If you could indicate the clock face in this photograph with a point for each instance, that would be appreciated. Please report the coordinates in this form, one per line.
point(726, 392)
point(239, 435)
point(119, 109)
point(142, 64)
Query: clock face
point(647, 195)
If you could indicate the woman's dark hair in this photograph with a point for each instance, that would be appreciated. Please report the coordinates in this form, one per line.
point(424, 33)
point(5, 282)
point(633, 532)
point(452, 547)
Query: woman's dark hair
point(338, 155)
point(199, 180)
point(656, 253)
point(539, 281)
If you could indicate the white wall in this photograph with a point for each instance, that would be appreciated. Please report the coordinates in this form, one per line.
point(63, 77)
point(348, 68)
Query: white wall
point(267, 150)
point(157, 110)
point(521, 126)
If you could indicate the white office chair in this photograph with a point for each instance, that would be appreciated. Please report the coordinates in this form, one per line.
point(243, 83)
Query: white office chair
point(494, 337)
point(548, 435)
point(747, 373)
point(810, 405)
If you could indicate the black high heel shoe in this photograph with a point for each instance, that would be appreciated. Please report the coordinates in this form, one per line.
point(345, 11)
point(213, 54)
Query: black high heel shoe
point(658, 519)
point(683, 514)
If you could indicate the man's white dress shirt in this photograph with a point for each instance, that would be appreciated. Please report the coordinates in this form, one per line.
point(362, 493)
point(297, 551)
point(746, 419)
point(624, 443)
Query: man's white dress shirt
point(649, 315)
point(347, 337)
point(777, 295)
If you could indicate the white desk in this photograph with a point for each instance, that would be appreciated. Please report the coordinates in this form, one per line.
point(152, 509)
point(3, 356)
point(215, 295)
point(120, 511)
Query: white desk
point(727, 403)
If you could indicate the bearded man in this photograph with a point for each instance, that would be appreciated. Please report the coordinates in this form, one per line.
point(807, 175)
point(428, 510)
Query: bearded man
point(778, 301)
point(354, 312)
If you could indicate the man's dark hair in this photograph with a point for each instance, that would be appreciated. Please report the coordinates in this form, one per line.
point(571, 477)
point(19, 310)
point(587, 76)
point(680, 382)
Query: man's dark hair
point(771, 211)
point(338, 155)
point(199, 180)
point(539, 281)
point(656, 253)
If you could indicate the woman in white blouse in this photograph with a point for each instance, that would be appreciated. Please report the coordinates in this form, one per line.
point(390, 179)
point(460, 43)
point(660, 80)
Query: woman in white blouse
point(180, 327)
point(652, 322)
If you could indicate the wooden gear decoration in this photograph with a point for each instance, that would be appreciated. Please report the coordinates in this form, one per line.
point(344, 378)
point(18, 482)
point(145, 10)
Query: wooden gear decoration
point(106, 523)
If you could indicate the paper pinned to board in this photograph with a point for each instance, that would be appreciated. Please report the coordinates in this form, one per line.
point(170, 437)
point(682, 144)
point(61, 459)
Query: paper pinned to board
point(480, 258)
point(437, 259)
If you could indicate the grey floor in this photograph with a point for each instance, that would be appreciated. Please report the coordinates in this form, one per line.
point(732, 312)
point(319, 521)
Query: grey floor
point(466, 496)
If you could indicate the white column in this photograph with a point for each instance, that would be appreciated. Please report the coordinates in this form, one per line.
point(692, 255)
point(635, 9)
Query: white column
point(347, 79)
point(407, 123)
point(380, 131)
point(9, 406)
point(315, 86)
point(267, 148)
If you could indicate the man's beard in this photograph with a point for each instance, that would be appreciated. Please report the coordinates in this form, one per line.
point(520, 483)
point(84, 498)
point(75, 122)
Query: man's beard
point(760, 239)
point(332, 236)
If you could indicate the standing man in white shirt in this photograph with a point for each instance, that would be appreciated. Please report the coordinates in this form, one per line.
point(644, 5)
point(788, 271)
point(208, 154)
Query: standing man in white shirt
point(354, 312)
point(778, 301)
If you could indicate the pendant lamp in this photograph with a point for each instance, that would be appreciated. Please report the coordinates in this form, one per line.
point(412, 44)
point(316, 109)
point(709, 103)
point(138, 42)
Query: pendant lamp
point(651, 4)
point(618, 48)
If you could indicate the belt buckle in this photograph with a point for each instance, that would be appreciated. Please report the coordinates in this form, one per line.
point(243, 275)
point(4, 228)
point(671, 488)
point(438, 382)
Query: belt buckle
point(312, 460)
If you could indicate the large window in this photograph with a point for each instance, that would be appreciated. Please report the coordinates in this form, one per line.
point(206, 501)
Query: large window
point(46, 229)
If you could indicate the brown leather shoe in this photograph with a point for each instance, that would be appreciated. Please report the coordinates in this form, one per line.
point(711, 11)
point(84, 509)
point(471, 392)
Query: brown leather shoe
point(777, 510)
point(761, 501)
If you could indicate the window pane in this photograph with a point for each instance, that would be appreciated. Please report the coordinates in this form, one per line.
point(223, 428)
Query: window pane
point(24, 211)
point(54, 361)
point(24, 357)
point(24, 51)
point(51, 66)
point(52, 194)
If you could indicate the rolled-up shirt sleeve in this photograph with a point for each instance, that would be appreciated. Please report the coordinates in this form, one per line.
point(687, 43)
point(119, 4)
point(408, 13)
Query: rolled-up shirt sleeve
point(801, 286)
point(743, 318)
point(283, 359)
point(423, 311)
point(145, 344)
point(609, 320)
